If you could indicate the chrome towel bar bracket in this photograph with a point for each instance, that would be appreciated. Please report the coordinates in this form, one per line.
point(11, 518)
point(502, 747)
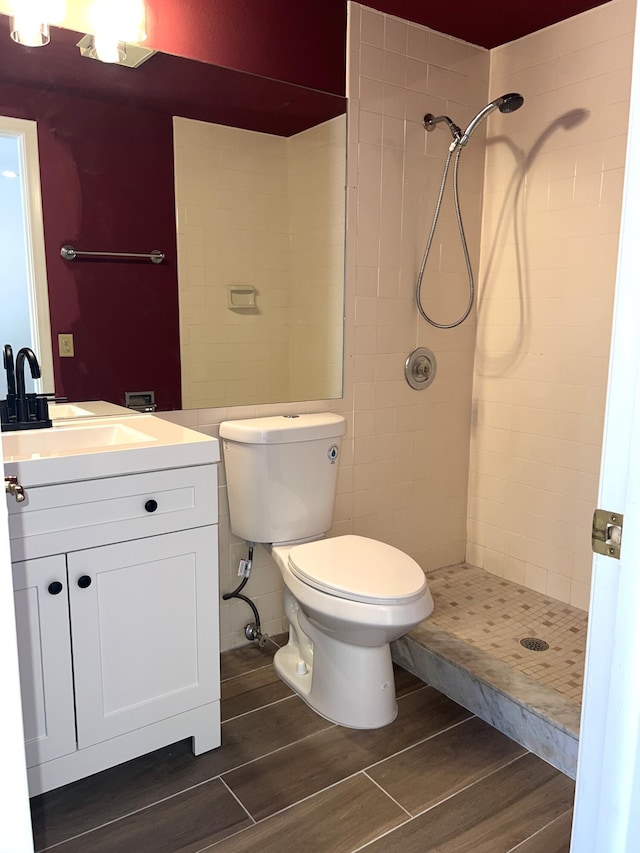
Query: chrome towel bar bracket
point(70, 254)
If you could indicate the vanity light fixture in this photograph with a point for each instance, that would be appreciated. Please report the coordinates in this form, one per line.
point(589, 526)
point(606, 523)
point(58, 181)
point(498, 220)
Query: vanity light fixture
point(129, 55)
point(115, 24)
point(30, 20)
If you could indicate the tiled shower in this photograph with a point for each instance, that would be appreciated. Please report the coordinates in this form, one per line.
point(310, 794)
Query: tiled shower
point(497, 462)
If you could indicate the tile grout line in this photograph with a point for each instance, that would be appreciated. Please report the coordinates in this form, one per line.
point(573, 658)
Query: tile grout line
point(424, 811)
point(240, 803)
point(386, 793)
point(182, 791)
point(273, 752)
point(220, 776)
point(329, 727)
point(475, 782)
point(419, 742)
point(410, 817)
point(537, 832)
point(259, 708)
point(297, 803)
point(247, 672)
point(129, 814)
point(242, 674)
point(381, 836)
point(363, 773)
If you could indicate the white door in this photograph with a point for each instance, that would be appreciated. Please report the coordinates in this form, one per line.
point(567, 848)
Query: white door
point(144, 617)
point(44, 653)
point(607, 813)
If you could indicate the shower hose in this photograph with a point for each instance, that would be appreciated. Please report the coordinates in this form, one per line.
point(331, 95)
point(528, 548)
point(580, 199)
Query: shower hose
point(463, 239)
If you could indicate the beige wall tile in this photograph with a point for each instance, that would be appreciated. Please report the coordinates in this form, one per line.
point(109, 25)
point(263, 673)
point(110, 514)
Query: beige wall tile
point(544, 315)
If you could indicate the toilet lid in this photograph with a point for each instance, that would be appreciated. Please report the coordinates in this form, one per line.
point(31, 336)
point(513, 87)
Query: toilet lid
point(358, 569)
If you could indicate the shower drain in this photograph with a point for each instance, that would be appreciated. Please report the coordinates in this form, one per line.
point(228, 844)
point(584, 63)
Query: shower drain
point(534, 644)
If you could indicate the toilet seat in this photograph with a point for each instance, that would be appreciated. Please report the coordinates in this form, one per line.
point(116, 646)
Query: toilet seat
point(358, 569)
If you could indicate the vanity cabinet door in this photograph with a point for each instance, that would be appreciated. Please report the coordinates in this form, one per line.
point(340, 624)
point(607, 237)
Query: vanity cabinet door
point(44, 654)
point(144, 620)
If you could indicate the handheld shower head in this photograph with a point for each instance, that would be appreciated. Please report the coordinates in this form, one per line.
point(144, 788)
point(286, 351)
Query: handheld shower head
point(508, 103)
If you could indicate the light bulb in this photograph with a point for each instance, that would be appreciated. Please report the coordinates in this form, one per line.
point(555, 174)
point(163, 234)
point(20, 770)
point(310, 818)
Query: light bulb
point(121, 19)
point(29, 30)
point(106, 48)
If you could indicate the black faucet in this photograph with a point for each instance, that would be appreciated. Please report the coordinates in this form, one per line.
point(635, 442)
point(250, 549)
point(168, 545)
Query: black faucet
point(22, 406)
point(9, 405)
point(21, 410)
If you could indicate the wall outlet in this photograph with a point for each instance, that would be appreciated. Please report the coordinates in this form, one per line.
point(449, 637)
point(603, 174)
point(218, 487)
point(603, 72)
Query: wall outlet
point(65, 346)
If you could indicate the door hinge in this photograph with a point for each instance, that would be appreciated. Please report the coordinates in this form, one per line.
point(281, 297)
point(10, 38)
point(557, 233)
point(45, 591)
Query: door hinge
point(606, 533)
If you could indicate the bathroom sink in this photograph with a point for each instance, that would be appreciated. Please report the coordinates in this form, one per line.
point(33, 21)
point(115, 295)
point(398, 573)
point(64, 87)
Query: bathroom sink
point(103, 447)
point(33, 444)
point(63, 412)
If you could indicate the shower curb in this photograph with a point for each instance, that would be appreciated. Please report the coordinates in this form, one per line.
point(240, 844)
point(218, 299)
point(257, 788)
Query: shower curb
point(537, 717)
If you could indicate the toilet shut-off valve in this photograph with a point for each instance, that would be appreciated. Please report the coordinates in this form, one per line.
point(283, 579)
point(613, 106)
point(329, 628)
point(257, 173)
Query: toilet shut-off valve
point(252, 630)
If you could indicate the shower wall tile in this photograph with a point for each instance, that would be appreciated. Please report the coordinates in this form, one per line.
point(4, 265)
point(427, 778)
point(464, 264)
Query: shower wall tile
point(550, 224)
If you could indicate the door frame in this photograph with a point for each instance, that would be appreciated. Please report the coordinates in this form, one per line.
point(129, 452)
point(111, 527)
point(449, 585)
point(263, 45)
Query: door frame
point(26, 134)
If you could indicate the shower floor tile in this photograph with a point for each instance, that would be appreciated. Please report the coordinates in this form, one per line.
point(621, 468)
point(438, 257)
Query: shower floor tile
point(494, 614)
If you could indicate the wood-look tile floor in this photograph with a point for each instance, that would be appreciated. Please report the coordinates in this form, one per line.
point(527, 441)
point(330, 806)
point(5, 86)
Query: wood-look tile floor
point(284, 779)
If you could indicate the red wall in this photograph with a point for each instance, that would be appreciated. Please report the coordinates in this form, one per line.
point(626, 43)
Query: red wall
point(301, 42)
point(100, 168)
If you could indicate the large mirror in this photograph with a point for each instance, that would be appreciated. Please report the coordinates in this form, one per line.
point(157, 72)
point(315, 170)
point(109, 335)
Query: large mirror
point(238, 180)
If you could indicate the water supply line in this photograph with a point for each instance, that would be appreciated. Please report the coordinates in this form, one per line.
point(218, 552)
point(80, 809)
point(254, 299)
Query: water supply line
point(252, 630)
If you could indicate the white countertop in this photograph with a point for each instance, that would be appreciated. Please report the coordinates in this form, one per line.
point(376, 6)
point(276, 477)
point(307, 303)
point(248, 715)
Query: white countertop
point(89, 448)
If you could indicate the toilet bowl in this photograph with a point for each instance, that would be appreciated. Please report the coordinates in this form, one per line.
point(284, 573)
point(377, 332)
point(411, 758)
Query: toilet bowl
point(346, 600)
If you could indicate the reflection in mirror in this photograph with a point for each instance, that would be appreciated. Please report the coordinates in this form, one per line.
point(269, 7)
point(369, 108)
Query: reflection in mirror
point(258, 188)
point(260, 263)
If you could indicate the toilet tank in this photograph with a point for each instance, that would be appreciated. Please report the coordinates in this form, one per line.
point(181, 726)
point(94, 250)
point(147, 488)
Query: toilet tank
point(282, 474)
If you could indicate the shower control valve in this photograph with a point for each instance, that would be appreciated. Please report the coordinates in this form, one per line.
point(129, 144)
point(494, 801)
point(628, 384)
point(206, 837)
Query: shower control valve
point(420, 368)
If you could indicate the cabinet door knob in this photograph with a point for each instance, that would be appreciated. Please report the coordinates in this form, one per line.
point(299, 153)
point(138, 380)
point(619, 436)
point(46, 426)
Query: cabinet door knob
point(84, 581)
point(55, 587)
point(151, 505)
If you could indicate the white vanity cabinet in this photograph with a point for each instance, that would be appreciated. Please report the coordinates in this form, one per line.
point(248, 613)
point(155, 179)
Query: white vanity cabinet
point(116, 593)
point(44, 652)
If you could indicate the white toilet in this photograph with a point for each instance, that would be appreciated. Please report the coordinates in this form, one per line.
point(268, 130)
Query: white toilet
point(346, 598)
